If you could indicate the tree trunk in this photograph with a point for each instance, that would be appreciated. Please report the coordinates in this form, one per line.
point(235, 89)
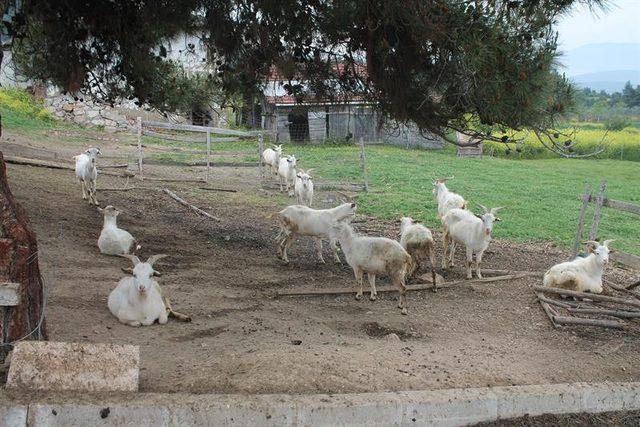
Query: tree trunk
point(19, 264)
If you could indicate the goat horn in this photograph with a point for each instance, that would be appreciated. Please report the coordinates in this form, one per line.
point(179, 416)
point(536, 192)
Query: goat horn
point(153, 258)
point(606, 242)
point(591, 242)
point(484, 208)
point(494, 210)
point(134, 259)
point(309, 170)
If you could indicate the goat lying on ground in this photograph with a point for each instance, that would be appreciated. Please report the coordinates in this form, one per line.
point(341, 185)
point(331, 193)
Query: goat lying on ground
point(581, 274)
point(114, 240)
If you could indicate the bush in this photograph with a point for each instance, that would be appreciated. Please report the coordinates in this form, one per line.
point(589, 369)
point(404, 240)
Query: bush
point(20, 109)
point(616, 123)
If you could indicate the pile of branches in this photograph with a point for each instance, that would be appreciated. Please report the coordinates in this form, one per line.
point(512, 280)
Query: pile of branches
point(617, 309)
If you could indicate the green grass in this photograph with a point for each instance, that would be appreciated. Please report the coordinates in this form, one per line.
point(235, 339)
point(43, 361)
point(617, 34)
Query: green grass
point(21, 110)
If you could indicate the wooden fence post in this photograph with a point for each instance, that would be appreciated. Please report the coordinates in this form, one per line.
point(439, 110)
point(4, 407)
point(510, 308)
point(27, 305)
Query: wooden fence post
point(139, 129)
point(363, 164)
point(597, 212)
point(260, 150)
point(583, 212)
point(206, 178)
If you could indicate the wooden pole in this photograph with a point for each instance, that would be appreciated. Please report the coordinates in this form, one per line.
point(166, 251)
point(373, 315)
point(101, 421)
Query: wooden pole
point(363, 164)
point(585, 295)
point(206, 178)
point(183, 202)
point(139, 128)
point(583, 212)
point(597, 212)
point(260, 150)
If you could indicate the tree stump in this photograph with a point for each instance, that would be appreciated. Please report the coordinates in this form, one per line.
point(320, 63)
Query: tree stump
point(18, 264)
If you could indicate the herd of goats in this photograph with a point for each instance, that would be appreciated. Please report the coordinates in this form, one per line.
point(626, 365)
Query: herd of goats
point(137, 299)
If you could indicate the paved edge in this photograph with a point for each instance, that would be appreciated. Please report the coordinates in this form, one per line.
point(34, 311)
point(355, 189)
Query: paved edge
point(451, 407)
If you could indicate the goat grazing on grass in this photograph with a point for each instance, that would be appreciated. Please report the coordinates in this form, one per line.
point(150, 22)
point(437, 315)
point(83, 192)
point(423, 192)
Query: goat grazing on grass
point(114, 240)
point(374, 256)
point(304, 221)
point(472, 231)
point(581, 274)
point(417, 240)
point(138, 300)
point(303, 188)
point(271, 158)
point(287, 172)
point(87, 173)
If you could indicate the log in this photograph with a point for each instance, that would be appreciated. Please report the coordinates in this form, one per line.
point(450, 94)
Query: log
point(36, 162)
point(341, 291)
point(172, 313)
point(116, 189)
point(190, 206)
point(568, 320)
point(121, 174)
point(172, 180)
point(19, 264)
point(585, 295)
point(121, 166)
point(623, 290)
point(623, 314)
point(553, 302)
point(225, 190)
point(548, 311)
point(633, 285)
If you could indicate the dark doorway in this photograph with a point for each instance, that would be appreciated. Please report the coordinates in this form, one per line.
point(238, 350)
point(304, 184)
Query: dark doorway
point(298, 126)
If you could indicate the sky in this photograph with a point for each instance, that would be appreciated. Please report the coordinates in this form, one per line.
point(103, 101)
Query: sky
point(620, 23)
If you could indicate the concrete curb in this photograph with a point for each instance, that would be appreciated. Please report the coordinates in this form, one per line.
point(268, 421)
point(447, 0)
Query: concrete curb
point(452, 407)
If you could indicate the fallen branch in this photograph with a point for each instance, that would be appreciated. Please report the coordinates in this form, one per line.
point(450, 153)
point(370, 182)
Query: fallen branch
point(551, 314)
point(190, 206)
point(623, 290)
point(116, 189)
point(623, 314)
point(226, 190)
point(341, 291)
point(495, 271)
point(35, 162)
point(633, 285)
point(121, 174)
point(568, 320)
point(171, 179)
point(585, 295)
point(553, 302)
point(122, 166)
point(178, 316)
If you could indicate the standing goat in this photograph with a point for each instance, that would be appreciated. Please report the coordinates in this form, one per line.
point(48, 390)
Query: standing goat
point(271, 158)
point(417, 240)
point(303, 188)
point(581, 274)
point(374, 256)
point(138, 300)
point(447, 200)
point(472, 231)
point(114, 240)
point(287, 172)
point(87, 173)
point(304, 221)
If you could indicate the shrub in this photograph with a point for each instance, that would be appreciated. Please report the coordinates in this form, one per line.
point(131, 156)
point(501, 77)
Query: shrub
point(616, 123)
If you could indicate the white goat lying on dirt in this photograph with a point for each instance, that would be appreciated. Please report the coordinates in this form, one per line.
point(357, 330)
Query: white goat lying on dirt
point(374, 256)
point(581, 274)
point(304, 221)
point(114, 240)
point(287, 172)
point(138, 300)
point(417, 240)
point(303, 188)
point(472, 231)
point(87, 173)
point(271, 158)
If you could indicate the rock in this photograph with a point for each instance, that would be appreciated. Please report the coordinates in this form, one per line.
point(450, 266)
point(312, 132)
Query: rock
point(42, 365)
point(92, 113)
point(392, 337)
point(68, 107)
point(426, 278)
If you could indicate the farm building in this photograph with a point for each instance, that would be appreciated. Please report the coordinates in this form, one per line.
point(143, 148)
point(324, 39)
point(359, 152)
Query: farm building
point(347, 119)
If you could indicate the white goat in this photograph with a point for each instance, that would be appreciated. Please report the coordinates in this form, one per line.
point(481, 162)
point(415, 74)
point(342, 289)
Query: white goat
point(138, 300)
point(114, 240)
point(87, 173)
point(581, 274)
point(417, 240)
point(287, 172)
point(472, 231)
point(304, 221)
point(303, 188)
point(374, 256)
point(447, 200)
point(271, 157)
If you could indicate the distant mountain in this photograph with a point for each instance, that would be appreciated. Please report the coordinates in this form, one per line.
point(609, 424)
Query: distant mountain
point(609, 81)
point(603, 66)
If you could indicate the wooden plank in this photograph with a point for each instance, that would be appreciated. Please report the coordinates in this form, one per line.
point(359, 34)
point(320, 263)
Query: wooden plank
point(363, 162)
point(585, 295)
point(139, 134)
point(203, 129)
point(10, 294)
point(597, 213)
point(619, 205)
point(583, 212)
point(630, 260)
point(172, 137)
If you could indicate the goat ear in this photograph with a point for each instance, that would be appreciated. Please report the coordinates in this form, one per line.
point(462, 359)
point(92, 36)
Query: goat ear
point(100, 210)
point(156, 274)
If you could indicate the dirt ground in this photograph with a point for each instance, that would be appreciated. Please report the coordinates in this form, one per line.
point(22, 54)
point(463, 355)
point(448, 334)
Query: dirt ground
point(244, 340)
